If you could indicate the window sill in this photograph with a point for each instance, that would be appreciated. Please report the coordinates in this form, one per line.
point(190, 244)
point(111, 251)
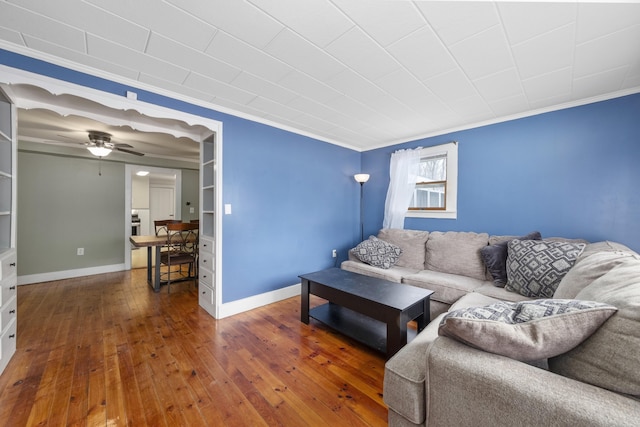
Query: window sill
point(432, 214)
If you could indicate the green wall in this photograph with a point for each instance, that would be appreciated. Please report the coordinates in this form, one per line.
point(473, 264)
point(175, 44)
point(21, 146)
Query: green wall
point(190, 193)
point(64, 204)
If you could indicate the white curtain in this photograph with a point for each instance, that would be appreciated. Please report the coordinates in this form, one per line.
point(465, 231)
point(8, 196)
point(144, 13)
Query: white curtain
point(403, 171)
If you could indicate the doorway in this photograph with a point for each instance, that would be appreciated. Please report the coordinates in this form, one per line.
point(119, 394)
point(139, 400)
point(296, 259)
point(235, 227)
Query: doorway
point(155, 195)
point(39, 91)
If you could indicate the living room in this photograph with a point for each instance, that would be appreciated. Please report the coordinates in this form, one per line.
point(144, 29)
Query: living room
point(565, 171)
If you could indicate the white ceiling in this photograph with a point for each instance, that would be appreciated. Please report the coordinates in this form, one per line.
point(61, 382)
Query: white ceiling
point(359, 73)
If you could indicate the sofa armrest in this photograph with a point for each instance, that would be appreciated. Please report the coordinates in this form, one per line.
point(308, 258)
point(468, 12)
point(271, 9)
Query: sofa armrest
point(470, 387)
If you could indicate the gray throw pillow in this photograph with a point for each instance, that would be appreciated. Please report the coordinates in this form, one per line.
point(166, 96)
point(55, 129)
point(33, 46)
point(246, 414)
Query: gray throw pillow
point(495, 258)
point(377, 252)
point(536, 267)
point(526, 330)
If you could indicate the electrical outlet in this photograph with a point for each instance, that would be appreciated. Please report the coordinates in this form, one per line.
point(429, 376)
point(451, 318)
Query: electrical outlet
point(334, 253)
point(80, 251)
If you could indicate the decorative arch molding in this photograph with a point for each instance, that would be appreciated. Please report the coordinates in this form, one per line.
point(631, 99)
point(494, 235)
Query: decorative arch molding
point(30, 90)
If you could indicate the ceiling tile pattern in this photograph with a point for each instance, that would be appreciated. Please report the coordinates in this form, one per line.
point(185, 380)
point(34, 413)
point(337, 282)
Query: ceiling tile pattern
point(359, 73)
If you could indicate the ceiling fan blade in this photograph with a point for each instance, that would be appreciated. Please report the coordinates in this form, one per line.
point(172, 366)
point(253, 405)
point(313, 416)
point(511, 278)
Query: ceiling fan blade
point(61, 143)
point(124, 150)
point(67, 136)
point(122, 146)
point(75, 140)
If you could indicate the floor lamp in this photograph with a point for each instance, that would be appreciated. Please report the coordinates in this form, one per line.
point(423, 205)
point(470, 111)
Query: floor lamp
point(361, 178)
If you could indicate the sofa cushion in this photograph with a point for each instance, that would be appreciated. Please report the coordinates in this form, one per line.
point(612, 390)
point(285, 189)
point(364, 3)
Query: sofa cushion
point(587, 269)
point(404, 373)
point(404, 388)
point(378, 253)
point(604, 246)
point(436, 308)
point(470, 387)
point(393, 274)
point(526, 330)
point(412, 242)
point(501, 294)
point(447, 288)
point(456, 253)
point(494, 257)
point(535, 267)
point(609, 358)
point(472, 300)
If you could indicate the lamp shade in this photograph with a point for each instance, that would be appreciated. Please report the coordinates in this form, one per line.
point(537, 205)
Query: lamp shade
point(99, 151)
point(361, 177)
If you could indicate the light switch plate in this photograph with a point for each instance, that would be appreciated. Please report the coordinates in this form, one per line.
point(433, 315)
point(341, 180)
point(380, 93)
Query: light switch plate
point(227, 209)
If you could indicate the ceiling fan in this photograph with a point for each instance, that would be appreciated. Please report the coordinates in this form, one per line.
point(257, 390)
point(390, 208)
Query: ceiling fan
point(100, 145)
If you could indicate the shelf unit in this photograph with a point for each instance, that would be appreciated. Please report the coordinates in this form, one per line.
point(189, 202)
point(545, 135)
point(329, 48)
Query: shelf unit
point(208, 169)
point(7, 159)
point(8, 263)
point(207, 282)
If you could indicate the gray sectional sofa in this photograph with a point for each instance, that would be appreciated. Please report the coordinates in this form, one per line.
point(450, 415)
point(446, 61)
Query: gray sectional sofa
point(438, 380)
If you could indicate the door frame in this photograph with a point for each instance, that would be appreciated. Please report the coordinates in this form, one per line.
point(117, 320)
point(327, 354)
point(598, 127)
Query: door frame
point(129, 171)
point(11, 76)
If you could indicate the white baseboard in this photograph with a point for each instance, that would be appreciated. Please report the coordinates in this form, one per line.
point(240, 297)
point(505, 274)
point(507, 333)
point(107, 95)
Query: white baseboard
point(249, 303)
point(68, 274)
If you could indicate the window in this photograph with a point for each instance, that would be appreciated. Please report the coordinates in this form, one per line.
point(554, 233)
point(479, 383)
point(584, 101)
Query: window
point(435, 194)
point(431, 184)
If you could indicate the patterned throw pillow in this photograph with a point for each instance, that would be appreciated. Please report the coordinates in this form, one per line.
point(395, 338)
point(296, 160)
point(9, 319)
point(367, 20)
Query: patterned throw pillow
point(527, 330)
point(536, 267)
point(495, 258)
point(377, 252)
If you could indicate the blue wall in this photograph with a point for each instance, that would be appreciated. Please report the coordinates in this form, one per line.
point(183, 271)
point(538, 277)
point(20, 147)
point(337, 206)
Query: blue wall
point(293, 198)
point(572, 173)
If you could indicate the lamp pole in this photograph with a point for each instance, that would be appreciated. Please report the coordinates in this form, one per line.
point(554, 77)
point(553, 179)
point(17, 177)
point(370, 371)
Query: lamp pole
point(361, 178)
point(361, 211)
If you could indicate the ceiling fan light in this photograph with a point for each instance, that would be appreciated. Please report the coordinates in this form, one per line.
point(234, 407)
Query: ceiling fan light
point(99, 151)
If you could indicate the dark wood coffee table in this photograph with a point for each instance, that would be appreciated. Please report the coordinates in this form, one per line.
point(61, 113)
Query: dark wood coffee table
point(372, 311)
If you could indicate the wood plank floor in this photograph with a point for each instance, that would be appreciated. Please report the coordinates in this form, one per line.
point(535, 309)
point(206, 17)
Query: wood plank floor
point(105, 350)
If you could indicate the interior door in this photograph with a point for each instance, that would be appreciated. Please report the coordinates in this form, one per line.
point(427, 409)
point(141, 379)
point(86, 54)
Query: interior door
point(161, 203)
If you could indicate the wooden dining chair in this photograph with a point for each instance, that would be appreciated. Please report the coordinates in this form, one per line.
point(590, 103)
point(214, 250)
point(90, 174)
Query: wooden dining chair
point(161, 225)
point(182, 241)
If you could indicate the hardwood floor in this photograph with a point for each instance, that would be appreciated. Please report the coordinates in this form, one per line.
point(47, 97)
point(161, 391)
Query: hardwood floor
point(105, 350)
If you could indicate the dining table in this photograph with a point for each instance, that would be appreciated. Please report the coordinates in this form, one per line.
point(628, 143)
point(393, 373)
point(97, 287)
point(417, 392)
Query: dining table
point(150, 242)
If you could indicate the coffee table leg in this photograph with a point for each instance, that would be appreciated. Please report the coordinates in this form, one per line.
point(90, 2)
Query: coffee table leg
point(304, 302)
point(424, 319)
point(396, 335)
